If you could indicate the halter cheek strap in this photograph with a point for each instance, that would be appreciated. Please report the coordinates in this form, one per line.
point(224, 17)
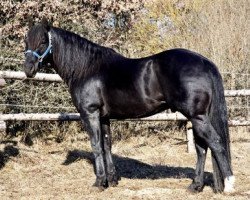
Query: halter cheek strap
point(48, 50)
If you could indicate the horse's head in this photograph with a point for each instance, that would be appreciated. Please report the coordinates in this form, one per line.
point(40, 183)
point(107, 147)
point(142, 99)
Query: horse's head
point(38, 47)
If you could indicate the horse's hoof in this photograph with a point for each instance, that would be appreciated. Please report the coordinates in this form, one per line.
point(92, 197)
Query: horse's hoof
point(217, 190)
point(96, 189)
point(100, 183)
point(113, 180)
point(195, 187)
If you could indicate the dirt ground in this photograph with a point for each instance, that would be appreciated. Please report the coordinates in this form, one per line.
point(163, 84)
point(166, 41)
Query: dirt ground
point(150, 168)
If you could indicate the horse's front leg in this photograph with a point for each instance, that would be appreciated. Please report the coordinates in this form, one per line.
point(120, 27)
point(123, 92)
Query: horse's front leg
point(92, 124)
point(112, 176)
point(201, 149)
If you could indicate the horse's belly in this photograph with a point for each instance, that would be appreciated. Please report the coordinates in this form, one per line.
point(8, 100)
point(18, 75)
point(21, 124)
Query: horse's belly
point(131, 108)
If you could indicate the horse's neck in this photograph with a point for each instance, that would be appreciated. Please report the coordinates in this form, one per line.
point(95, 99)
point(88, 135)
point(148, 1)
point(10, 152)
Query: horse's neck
point(75, 58)
point(69, 62)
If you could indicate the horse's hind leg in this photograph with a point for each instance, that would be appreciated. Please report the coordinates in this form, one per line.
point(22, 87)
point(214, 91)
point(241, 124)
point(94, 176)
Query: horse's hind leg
point(112, 177)
point(201, 149)
point(205, 130)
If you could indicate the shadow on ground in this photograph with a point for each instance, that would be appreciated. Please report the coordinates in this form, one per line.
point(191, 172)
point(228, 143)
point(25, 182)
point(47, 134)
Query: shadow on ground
point(134, 169)
point(9, 151)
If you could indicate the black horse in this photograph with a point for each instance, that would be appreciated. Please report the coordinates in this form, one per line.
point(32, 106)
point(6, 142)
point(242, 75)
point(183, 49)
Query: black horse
point(105, 85)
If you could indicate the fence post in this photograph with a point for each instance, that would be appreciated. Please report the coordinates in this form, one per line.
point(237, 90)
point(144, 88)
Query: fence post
point(190, 138)
point(2, 126)
point(2, 123)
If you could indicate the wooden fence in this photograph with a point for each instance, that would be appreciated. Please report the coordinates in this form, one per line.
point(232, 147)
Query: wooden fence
point(75, 116)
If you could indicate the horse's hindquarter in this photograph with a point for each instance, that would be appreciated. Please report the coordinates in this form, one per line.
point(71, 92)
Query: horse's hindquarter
point(186, 79)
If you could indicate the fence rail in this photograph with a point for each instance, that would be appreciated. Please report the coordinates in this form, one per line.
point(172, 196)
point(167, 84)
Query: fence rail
point(39, 76)
point(76, 117)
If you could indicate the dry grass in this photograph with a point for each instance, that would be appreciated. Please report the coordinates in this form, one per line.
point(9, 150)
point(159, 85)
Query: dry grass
point(149, 167)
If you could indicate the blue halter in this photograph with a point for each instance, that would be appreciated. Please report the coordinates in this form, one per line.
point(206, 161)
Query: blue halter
point(48, 50)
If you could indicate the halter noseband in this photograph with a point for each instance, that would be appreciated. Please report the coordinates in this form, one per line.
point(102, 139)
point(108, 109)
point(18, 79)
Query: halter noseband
point(48, 50)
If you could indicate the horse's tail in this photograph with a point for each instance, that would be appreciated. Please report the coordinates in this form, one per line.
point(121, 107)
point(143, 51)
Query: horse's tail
point(218, 117)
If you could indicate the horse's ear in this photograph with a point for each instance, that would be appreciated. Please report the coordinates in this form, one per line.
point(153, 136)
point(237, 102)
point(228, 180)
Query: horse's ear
point(45, 23)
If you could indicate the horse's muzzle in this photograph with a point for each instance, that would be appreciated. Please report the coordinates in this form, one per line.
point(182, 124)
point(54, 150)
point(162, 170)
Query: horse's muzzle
point(30, 69)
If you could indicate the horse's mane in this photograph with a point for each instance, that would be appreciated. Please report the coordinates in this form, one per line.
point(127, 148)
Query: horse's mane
point(78, 57)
